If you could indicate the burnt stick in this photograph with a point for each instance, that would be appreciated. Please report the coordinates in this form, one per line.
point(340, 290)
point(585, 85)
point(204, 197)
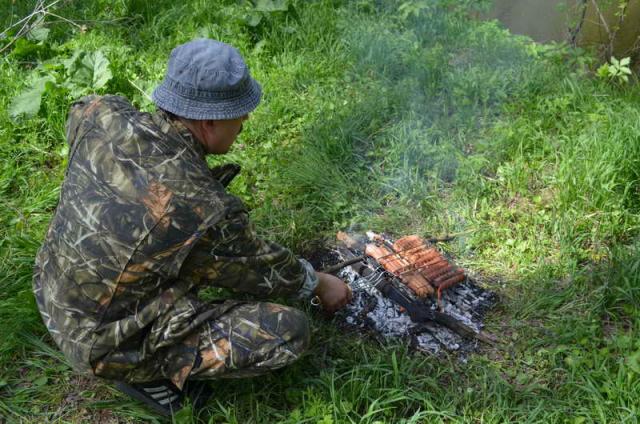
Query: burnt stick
point(338, 267)
point(420, 314)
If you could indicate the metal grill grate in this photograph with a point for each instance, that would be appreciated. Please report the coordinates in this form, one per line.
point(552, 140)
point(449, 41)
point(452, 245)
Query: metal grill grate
point(385, 305)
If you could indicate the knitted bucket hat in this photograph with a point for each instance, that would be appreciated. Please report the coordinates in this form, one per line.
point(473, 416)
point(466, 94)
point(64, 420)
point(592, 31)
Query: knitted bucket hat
point(207, 79)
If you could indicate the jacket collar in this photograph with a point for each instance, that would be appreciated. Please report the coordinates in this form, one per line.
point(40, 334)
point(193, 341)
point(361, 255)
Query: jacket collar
point(170, 125)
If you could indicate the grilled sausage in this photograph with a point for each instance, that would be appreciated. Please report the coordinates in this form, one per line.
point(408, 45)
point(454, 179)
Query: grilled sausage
point(398, 266)
point(408, 242)
point(450, 282)
point(386, 258)
point(417, 284)
point(439, 281)
point(437, 271)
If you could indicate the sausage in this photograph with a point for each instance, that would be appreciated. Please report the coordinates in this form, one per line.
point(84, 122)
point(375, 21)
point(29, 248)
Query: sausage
point(432, 264)
point(417, 284)
point(450, 282)
point(424, 255)
point(435, 260)
point(415, 250)
point(386, 258)
point(437, 271)
point(396, 265)
point(444, 277)
point(408, 242)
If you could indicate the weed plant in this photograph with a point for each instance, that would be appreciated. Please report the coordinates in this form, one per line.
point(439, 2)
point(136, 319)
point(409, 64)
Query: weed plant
point(398, 117)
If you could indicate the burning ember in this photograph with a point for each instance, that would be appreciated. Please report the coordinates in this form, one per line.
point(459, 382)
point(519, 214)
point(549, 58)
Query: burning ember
point(409, 289)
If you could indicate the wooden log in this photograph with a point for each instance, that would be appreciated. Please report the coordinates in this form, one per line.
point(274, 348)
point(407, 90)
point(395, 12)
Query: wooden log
point(337, 267)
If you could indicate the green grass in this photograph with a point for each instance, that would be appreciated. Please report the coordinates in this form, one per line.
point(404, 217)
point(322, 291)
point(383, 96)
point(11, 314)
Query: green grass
point(430, 123)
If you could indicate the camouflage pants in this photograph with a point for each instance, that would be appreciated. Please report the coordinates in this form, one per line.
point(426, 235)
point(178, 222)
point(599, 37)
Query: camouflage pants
point(240, 339)
point(250, 339)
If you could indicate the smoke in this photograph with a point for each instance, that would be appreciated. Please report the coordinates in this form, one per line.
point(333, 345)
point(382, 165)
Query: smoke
point(444, 76)
point(426, 79)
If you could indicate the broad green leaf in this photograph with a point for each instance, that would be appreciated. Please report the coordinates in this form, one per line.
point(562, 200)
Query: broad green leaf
point(95, 68)
point(625, 61)
point(271, 6)
point(70, 64)
point(28, 102)
point(254, 19)
point(603, 71)
point(25, 48)
point(38, 33)
point(101, 72)
point(87, 71)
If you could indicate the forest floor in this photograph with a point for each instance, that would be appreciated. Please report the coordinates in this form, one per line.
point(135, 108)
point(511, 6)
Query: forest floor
point(410, 118)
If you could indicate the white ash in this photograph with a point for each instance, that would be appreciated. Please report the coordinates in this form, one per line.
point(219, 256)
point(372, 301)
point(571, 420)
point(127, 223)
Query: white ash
point(372, 311)
point(427, 343)
point(370, 308)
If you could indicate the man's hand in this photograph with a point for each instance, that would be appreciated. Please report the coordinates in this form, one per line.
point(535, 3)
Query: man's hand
point(332, 292)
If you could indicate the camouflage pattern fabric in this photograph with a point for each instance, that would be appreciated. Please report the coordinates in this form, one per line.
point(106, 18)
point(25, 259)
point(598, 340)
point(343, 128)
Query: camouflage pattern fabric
point(251, 339)
point(244, 339)
point(141, 225)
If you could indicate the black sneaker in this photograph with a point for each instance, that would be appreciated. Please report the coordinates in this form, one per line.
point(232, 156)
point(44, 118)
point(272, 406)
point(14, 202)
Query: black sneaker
point(161, 396)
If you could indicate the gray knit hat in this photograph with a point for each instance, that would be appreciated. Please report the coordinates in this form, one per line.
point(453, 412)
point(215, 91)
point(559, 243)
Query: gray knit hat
point(207, 79)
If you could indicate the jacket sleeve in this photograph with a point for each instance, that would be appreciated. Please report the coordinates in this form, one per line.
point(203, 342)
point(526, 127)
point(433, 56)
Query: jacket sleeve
point(231, 255)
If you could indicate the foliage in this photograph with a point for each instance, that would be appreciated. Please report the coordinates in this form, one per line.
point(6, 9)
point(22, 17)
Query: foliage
point(82, 73)
point(262, 9)
point(610, 17)
point(616, 70)
point(28, 102)
point(392, 116)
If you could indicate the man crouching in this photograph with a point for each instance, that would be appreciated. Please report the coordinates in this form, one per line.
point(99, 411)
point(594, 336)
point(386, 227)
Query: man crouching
point(142, 224)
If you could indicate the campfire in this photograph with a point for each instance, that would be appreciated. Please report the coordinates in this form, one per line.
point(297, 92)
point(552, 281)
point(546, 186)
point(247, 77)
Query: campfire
point(409, 289)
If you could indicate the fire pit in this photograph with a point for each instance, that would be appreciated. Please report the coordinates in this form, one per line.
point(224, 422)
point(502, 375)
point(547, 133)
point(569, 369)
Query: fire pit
point(408, 289)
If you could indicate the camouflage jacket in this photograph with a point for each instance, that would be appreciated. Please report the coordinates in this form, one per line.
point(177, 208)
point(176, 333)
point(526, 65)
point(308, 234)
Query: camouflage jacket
point(137, 202)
